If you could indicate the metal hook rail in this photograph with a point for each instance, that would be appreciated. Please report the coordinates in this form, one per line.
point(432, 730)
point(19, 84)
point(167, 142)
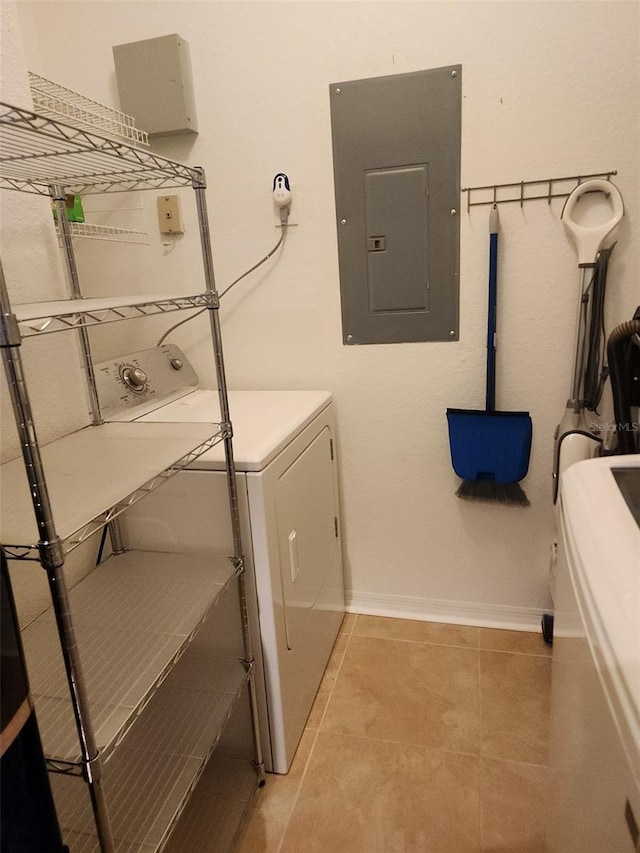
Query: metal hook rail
point(492, 194)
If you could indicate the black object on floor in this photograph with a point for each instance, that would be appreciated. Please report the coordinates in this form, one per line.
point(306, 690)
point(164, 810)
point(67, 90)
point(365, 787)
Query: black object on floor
point(29, 822)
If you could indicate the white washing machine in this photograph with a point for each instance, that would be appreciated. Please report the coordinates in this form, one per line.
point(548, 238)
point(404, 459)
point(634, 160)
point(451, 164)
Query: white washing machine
point(595, 714)
point(285, 459)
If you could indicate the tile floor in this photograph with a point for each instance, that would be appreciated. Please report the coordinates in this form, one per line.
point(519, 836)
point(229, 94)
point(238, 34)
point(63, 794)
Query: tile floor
point(424, 738)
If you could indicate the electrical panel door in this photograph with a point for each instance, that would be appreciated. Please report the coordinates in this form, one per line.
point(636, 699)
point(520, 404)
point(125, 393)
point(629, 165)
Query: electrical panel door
point(396, 155)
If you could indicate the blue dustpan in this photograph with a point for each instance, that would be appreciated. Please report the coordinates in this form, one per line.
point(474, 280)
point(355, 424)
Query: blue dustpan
point(489, 446)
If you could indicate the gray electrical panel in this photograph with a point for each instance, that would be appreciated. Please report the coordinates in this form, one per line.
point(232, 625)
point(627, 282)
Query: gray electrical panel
point(396, 155)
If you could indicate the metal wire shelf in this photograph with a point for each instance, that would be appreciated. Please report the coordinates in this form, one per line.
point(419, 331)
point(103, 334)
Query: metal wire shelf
point(37, 152)
point(106, 232)
point(148, 787)
point(56, 101)
point(46, 317)
point(110, 462)
point(218, 809)
point(152, 606)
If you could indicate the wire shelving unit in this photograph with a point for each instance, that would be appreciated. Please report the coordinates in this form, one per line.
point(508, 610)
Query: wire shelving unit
point(112, 659)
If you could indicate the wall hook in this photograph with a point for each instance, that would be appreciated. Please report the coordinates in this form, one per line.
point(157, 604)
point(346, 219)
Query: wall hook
point(517, 192)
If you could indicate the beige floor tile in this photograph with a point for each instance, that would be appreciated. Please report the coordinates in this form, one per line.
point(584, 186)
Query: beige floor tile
point(362, 796)
point(393, 689)
point(328, 681)
point(348, 622)
point(515, 692)
point(524, 642)
point(273, 804)
point(513, 800)
point(418, 631)
point(411, 693)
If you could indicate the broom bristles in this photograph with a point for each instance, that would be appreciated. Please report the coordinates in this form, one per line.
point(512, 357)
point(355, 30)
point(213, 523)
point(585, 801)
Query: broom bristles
point(511, 494)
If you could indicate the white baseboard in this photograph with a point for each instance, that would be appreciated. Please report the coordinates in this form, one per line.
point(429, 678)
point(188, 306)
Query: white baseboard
point(438, 610)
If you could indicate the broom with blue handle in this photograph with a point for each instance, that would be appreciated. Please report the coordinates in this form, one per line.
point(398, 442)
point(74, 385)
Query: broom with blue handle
point(489, 449)
point(494, 228)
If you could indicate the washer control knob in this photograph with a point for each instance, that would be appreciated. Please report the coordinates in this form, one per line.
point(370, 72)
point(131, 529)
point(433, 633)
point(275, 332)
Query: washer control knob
point(134, 377)
point(176, 363)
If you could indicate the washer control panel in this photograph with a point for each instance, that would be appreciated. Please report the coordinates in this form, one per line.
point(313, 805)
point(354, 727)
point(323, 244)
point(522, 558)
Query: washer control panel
point(135, 384)
point(134, 378)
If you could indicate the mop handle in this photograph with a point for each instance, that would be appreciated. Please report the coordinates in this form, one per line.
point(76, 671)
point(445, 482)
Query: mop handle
point(589, 238)
point(494, 227)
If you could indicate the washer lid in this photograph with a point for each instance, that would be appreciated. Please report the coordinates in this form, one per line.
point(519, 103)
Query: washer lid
point(603, 544)
point(264, 422)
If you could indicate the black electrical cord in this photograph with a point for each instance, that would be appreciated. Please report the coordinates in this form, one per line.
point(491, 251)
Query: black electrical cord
point(596, 371)
point(103, 539)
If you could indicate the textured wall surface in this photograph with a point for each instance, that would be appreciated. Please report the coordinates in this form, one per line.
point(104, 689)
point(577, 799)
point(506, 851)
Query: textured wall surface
point(549, 89)
point(33, 271)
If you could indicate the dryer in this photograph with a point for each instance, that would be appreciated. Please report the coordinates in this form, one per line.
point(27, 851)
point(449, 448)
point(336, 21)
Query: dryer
point(285, 456)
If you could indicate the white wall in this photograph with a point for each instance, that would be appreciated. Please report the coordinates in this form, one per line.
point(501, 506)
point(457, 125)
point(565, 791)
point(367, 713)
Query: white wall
point(33, 269)
point(549, 89)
